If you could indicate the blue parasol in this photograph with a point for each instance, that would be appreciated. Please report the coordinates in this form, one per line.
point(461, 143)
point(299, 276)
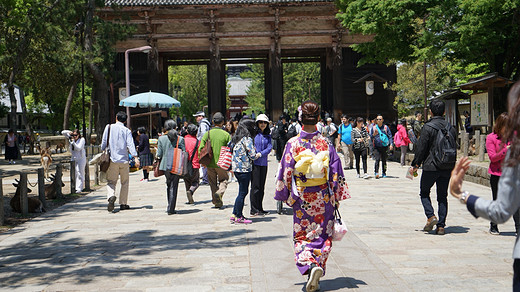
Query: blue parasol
point(150, 100)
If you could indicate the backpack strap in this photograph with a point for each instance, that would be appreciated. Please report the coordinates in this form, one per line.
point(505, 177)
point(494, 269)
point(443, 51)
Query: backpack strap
point(194, 150)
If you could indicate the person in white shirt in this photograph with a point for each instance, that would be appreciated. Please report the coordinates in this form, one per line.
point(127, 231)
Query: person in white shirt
point(120, 144)
point(77, 153)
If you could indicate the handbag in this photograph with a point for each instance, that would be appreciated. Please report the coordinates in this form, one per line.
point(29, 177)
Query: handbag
point(104, 160)
point(189, 167)
point(179, 160)
point(156, 171)
point(206, 154)
point(339, 228)
point(224, 160)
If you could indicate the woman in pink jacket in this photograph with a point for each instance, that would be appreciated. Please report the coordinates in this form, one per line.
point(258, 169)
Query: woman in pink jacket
point(497, 149)
point(401, 139)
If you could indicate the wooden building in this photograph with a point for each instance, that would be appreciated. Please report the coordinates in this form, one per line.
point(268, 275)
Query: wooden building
point(216, 32)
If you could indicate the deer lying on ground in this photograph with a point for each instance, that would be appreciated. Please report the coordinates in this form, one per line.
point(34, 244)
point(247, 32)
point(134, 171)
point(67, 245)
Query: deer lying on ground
point(50, 189)
point(45, 160)
point(34, 204)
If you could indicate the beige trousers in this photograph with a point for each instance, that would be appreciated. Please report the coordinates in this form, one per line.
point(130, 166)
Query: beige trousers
point(348, 154)
point(218, 180)
point(116, 170)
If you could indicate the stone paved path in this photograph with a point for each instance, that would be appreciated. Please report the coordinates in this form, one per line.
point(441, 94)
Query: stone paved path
point(82, 247)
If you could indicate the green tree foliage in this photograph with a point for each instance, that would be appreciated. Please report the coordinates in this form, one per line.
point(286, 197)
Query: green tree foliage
point(301, 81)
point(193, 93)
point(256, 92)
point(41, 52)
point(440, 76)
point(461, 31)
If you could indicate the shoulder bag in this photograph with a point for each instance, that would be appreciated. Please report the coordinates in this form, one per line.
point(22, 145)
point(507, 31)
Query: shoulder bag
point(179, 160)
point(104, 160)
point(206, 153)
point(189, 167)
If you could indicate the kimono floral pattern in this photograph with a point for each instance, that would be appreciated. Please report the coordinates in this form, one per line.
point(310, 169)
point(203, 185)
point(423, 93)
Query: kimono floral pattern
point(313, 205)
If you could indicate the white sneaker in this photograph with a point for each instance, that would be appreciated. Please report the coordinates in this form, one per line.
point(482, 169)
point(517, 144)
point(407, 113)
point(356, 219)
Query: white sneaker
point(358, 176)
point(366, 176)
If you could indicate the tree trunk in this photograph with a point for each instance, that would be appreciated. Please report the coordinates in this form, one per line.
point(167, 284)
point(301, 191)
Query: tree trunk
point(28, 126)
point(90, 123)
point(100, 86)
point(68, 104)
point(12, 114)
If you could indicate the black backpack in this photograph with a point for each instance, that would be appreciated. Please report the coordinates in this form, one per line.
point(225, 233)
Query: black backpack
point(291, 132)
point(444, 148)
point(275, 134)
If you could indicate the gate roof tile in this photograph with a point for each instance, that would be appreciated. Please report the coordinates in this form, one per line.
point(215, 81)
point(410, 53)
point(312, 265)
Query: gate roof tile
point(199, 2)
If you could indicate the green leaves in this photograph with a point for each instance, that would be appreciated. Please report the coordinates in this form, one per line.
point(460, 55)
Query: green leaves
point(461, 31)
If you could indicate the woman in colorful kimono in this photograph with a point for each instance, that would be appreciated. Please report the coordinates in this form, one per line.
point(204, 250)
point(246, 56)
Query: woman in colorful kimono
point(310, 180)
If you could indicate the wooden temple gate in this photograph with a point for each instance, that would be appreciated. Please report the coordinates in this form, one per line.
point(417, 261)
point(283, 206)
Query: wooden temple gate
point(214, 32)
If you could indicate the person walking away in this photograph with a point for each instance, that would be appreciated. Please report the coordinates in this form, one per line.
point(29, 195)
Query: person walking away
point(262, 141)
point(281, 129)
point(360, 146)
point(11, 147)
point(497, 147)
point(437, 141)
point(293, 129)
point(242, 163)
point(508, 196)
point(165, 144)
point(121, 143)
point(383, 140)
point(192, 145)
point(204, 126)
point(344, 142)
point(417, 124)
point(311, 181)
point(331, 131)
point(77, 153)
point(217, 177)
point(467, 123)
point(401, 140)
point(145, 155)
point(184, 128)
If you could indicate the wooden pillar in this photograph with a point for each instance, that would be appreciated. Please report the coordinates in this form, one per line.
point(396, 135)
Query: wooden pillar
point(72, 177)
point(1, 203)
point(57, 185)
point(482, 147)
point(24, 204)
point(216, 77)
point(275, 71)
point(326, 86)
point(96, 174)
point(336, 64)
point(87, 177)
point(41, 187)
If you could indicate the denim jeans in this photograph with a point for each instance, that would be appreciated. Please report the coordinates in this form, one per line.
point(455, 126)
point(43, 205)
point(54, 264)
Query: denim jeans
point(441, 178)
point(243, 179)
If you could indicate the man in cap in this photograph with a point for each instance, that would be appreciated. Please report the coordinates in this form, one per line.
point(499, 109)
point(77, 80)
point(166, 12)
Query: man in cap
point(217, 177)
point(204, 126)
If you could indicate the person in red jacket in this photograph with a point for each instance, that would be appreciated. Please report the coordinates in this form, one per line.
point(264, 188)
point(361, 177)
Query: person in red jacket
point(401, 139)
point(497, 148)
point(192, 144)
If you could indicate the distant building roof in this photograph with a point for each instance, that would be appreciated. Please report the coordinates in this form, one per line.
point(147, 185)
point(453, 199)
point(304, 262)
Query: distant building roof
point(200, 2)
point(238, 87)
